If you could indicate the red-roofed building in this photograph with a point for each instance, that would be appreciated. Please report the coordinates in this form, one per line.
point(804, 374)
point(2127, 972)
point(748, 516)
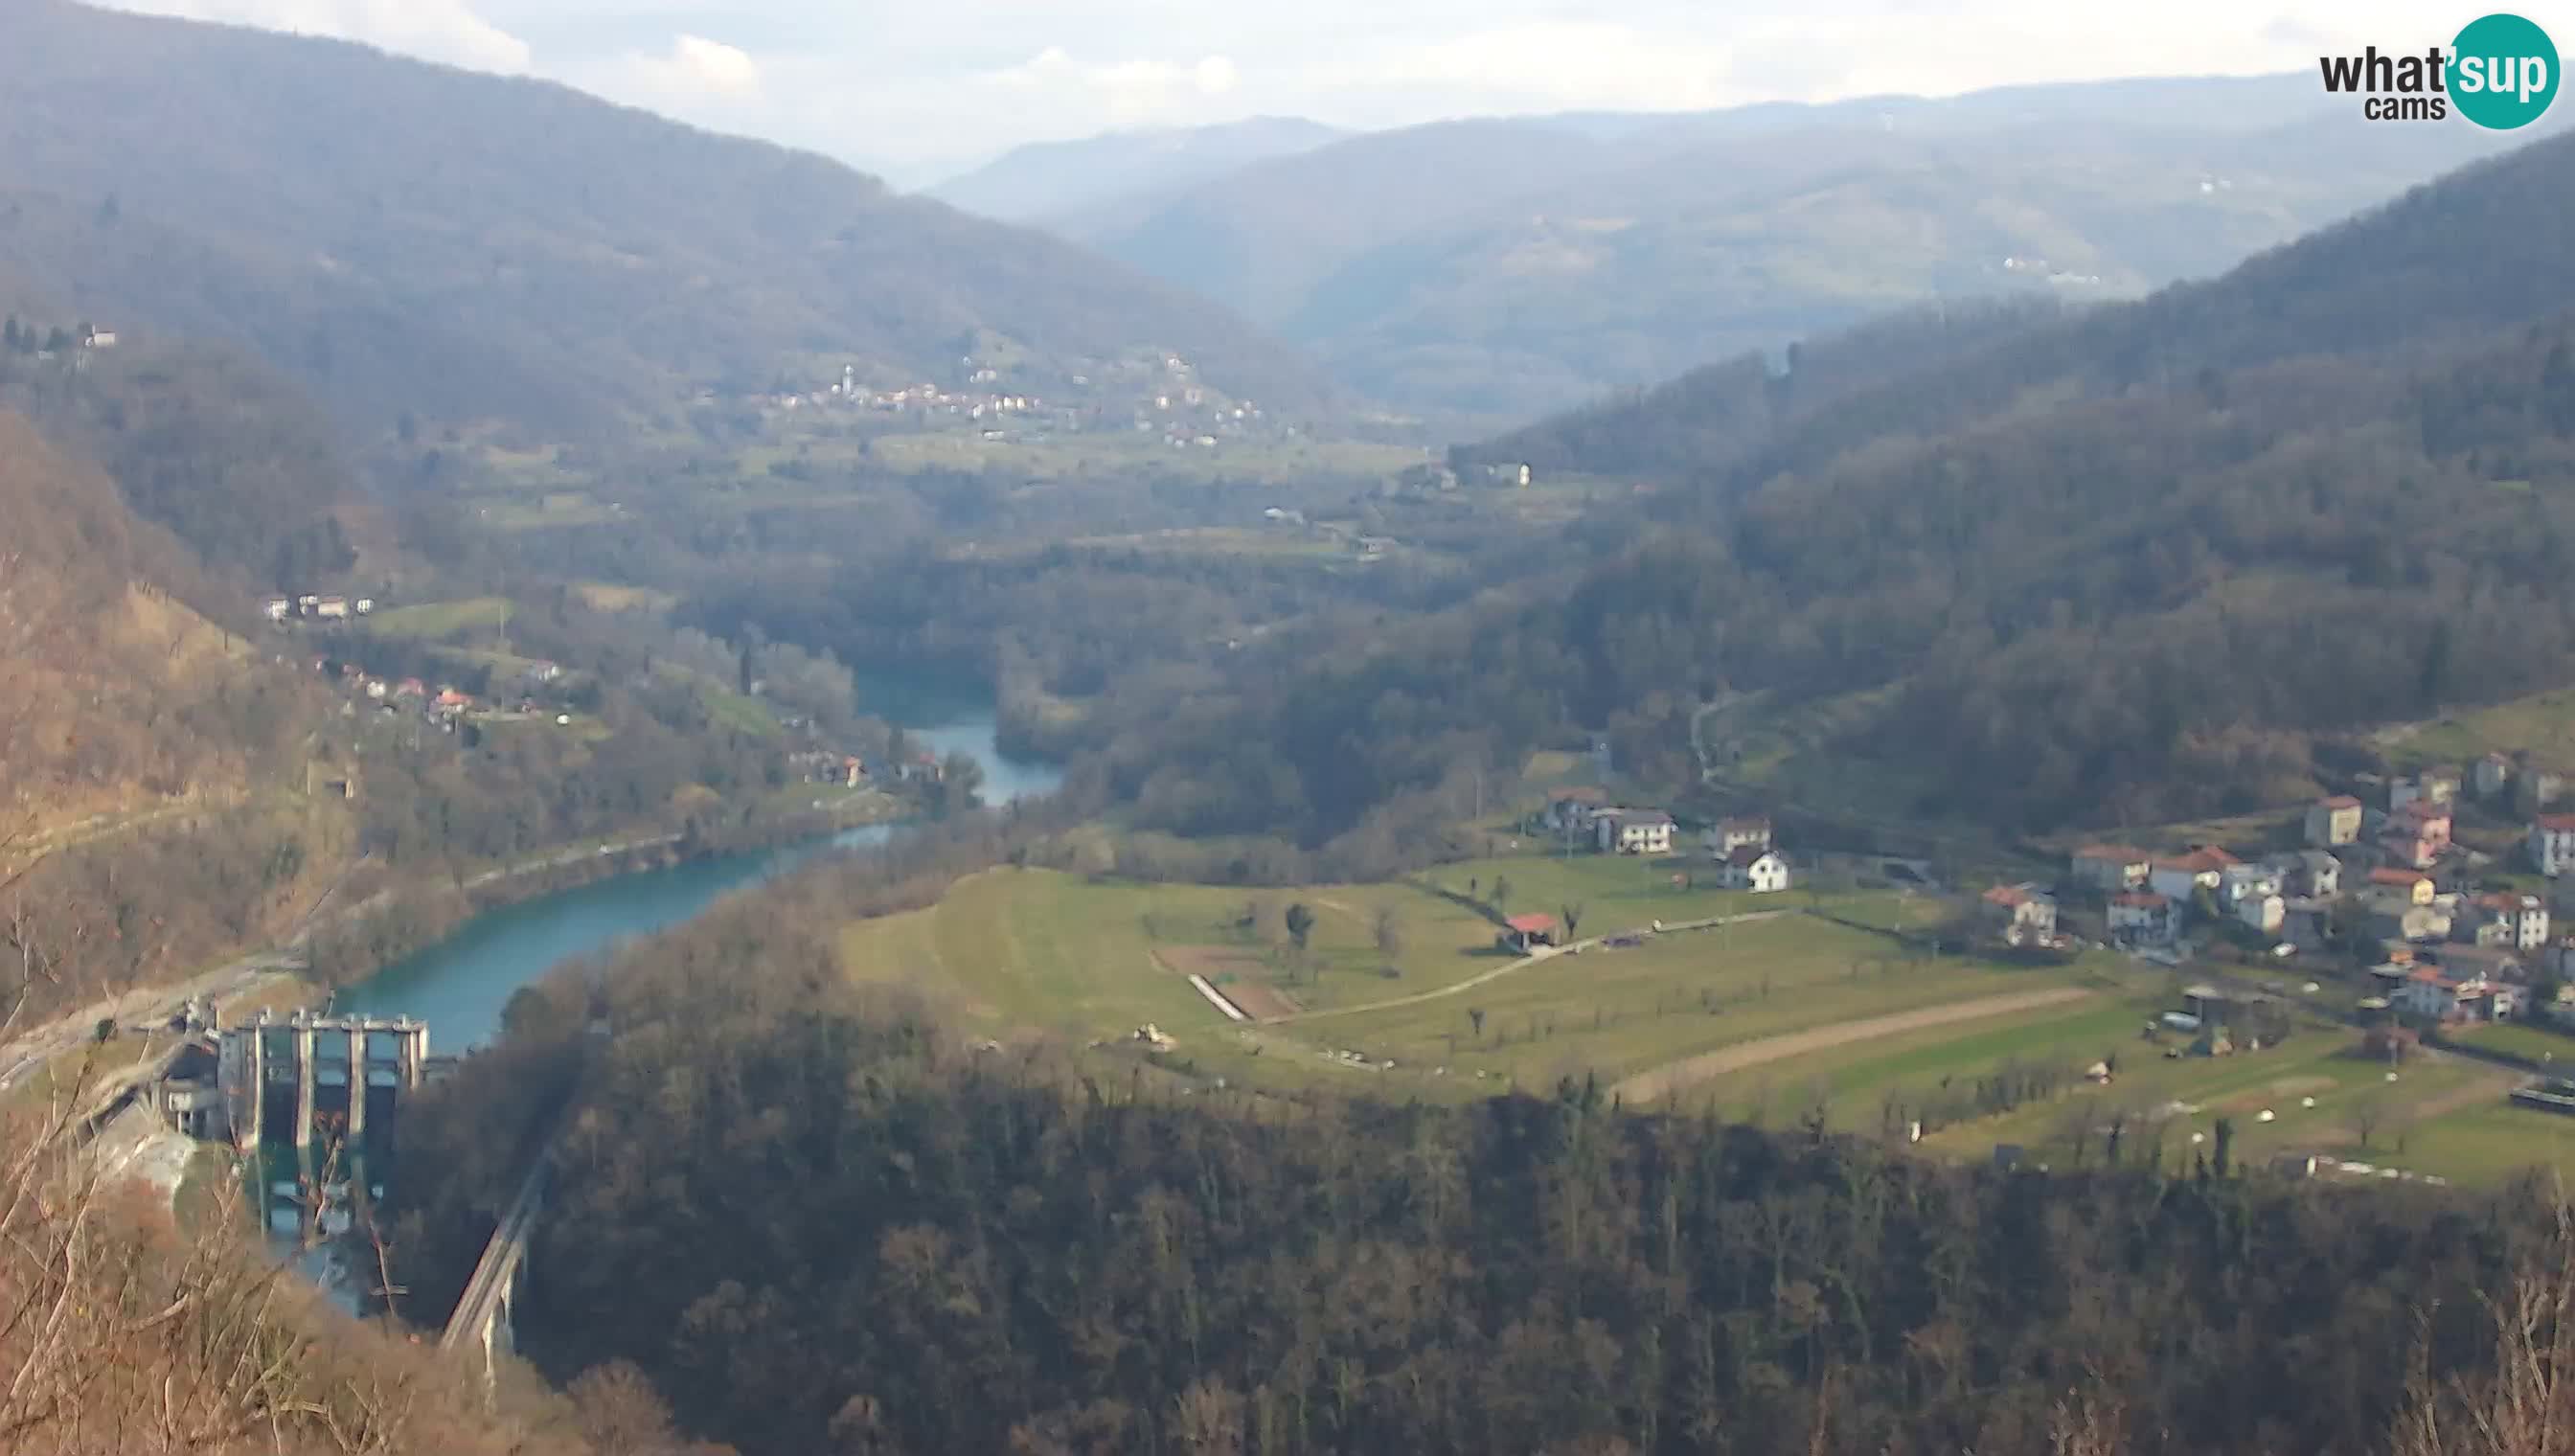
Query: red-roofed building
point(2413, 839)
point(2507, 919)
point(1526, 933)
point(2435, 997)
point(2143, 917)
point(2022, 913)
point(2181, 877)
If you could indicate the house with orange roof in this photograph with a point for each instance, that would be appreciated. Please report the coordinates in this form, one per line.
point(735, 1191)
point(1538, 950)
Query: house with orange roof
point(2022, 914)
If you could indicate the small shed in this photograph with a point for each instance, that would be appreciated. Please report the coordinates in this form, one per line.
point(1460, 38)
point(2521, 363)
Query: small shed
point(1526, 933)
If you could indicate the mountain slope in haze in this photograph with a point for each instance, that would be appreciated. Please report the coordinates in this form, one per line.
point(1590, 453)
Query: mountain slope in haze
point(1261, 239)
point(406, 237)
point(2458, 258)
point(2149, 563)
point(1518, 268)
point(1044, 179)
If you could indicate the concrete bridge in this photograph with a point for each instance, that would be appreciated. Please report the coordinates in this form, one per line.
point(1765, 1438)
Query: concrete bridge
point(484, 1312)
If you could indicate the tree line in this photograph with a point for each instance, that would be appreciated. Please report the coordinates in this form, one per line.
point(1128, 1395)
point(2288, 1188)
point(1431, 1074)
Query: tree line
point(868, 1235)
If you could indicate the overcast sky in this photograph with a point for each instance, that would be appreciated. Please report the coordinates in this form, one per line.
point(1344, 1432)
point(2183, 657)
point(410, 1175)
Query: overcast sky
point(919, 89)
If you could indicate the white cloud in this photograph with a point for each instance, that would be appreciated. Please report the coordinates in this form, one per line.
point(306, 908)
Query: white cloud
point(713, 65)
point(1216, 75)
point(436, 30)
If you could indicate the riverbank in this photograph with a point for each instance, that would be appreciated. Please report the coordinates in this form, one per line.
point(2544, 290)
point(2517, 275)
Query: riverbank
point(334, 947)
point(400, 922)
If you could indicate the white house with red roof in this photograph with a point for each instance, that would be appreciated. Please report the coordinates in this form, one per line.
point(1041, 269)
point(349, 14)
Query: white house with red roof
point(2436, 997)
point(2023, 913)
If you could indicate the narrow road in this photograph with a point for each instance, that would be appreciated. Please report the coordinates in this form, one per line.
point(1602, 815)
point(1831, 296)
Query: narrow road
point(33, 1048)
point(1663, 1081)
point(1523, 964)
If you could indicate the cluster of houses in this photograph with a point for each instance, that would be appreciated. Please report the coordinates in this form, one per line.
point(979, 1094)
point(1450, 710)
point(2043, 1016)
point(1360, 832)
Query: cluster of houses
point(315, 607)
point(1186, 413)
point(838, 770)
point(1745, 857)
point(2387, 876)
point(441, 705)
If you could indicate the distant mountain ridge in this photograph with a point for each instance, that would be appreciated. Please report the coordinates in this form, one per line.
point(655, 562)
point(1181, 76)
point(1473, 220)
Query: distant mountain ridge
point(1031, 183)
point(405, 237)
point(1484, 270)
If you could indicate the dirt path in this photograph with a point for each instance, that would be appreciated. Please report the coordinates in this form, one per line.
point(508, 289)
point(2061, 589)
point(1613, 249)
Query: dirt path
point(1663, 1081)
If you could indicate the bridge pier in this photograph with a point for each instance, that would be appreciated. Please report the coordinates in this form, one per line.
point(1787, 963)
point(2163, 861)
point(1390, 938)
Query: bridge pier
point(357, 1083)
point(303, 1085)
point(317, 1057)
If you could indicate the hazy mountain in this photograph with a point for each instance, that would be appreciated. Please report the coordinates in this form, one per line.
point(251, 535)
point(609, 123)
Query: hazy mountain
point(411, 238)
point(1046, 179)
point(1517, 267)
point(1264, 238)
point(2132, 564)
point(2416, 273)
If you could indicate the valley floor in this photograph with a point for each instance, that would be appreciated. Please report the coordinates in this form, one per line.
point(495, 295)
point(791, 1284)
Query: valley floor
point(1785, 1008)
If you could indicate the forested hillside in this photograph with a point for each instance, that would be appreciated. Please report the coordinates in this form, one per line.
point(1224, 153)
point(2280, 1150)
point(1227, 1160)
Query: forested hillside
point(403, 236)
point(1493, 269)
point(2468, 254)
point(866, 1238)
point(2125, 566)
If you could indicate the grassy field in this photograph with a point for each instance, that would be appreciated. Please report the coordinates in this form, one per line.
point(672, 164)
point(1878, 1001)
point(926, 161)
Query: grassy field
point(2351, 1094)
point(1076, 950)
point(1042, 457)
point(1618, 1013)
point(2544, 724)
point(610, 597)
point(2489, 1141)
point(1054, 952)
point(438, 619)
point(1445, 1017)
point(1855, 1083)
point(2528, 1040)
point(726, 706)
